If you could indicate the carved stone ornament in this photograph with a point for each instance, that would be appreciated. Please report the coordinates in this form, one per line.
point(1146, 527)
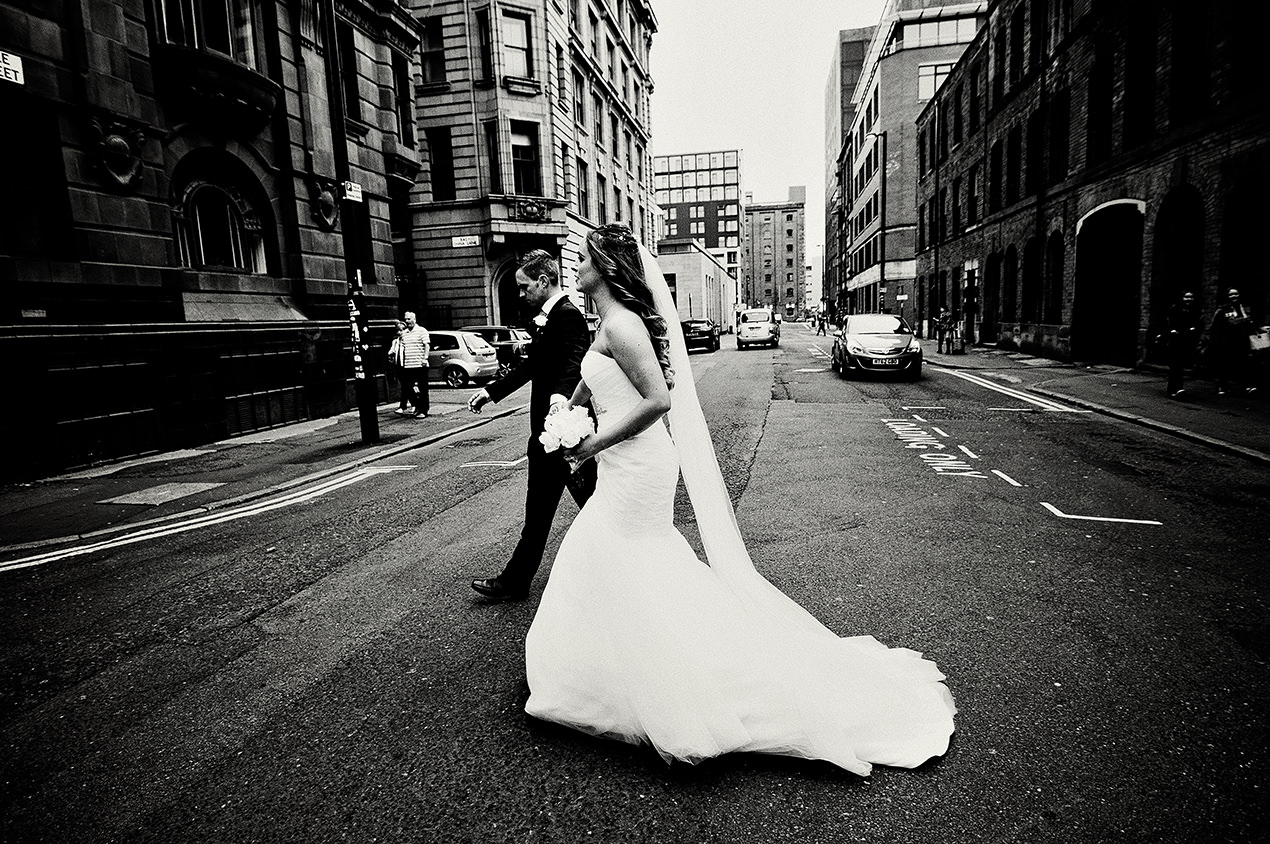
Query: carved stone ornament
point(324, 199)
point(116, 151)
point(528, 209)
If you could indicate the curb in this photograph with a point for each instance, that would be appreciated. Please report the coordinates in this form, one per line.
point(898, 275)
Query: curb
point(245, 497)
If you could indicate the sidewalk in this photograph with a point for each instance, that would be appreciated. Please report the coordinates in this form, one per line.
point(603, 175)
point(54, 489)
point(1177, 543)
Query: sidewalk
point(1235, 423)
point(102, 501)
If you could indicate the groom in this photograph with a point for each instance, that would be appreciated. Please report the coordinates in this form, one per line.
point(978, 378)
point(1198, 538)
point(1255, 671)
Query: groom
point(554, 368)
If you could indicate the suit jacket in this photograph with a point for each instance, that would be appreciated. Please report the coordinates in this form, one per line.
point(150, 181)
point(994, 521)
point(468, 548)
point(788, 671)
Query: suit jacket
point(554, 364)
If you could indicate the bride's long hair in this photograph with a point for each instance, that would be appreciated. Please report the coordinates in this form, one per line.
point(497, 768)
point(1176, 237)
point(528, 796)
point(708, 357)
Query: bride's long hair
point(615, 253)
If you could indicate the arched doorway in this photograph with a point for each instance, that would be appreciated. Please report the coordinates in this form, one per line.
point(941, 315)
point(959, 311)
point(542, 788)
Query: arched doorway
point(510, 310)
point(992, 313)
point(1107, 289)
point(1177, 264)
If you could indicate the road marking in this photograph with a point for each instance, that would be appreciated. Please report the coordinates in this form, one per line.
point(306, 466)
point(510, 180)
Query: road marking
point(264, 506)
point(1003, 476)
point(498, 464)
point(1062, 515)
point(967, 451)
point(1042, 403)
point(918, 418)
point(161, 494)
point(920, 407)
point(939, 431)
point(816, 350)
point(821, 369)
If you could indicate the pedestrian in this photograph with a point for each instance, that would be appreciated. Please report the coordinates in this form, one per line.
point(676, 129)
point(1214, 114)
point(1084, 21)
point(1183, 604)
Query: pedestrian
point(553, 368)
point(415, 344)
point(396, 357)
point(943, 324)
point(1229, 343)
point(1185, 326)
point(636, 639)
point(820, 330)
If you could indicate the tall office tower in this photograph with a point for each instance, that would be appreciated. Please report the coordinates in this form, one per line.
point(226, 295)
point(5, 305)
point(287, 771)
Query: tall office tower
point(700, 196)
point(775, 255)
point(535, 125)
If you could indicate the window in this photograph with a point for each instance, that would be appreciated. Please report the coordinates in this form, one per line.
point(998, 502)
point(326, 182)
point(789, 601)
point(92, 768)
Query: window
point(617, 204)
point(218, 229)
point(517, 52)
point(615, 137)
point(441, 161)
point(492, 158)
point(485, 44)
point(601, 195)
point(598, 108)
point(432, 44)
point(579, 100)
point(348, 72)
point(404, 89)
point(584, 192)
point(929, 78)
point(526, 172)
point(595, 35)
point(227, 27)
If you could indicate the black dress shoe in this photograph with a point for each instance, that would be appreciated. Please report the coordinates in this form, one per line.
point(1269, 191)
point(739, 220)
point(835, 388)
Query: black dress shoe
point(494, 589)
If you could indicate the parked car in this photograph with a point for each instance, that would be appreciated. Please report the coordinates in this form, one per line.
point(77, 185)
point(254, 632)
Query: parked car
point(758, 326)
point(511, 343)
point(460, 357)
point(701, 333)
point(877, 343)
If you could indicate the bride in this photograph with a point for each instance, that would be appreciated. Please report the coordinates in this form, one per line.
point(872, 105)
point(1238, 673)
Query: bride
point(636, 639)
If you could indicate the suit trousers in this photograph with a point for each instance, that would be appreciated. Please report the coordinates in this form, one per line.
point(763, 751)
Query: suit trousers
point(549, 475)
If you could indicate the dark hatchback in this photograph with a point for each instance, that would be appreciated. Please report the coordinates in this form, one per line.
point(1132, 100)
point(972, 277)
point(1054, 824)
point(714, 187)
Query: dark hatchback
point(701, 334)
point(876, 343)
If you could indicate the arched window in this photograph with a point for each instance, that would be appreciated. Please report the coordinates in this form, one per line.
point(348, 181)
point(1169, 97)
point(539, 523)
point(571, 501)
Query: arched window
point(218, 230)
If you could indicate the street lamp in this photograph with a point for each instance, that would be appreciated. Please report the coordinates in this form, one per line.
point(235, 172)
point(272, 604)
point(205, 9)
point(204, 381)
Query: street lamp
point(881, 136)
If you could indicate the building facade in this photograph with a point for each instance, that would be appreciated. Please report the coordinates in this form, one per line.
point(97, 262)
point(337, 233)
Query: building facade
point(1085, 163)
point(700, 196)
point(702, 285)
point(201, 182)
point(775, 255)
point(914, 47)
point(534, 119)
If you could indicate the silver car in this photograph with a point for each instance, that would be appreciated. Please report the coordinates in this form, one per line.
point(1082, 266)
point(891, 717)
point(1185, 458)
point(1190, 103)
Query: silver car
point(758, 326)
point(460, 357)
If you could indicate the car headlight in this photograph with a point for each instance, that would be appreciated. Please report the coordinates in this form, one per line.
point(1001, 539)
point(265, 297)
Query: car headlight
point(914, 345)
point(855, 348)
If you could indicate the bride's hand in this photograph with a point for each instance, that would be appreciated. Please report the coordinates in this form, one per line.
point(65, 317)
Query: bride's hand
point(582, 452)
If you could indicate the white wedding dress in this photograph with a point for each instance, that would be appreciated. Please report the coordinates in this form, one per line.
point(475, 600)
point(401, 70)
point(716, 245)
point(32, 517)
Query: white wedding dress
point(639, 640)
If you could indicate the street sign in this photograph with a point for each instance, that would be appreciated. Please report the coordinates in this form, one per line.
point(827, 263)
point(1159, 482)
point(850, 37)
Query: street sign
point(11, 68)
point(352, 192)
point(465, 240)
point(903, 297)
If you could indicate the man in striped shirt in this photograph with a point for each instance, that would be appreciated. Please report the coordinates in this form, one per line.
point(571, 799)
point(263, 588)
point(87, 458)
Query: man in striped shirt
point(414, 373)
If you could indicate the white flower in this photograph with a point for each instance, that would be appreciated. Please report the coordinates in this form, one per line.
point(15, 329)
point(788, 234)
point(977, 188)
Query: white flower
point(566, 429)
point(540, 320)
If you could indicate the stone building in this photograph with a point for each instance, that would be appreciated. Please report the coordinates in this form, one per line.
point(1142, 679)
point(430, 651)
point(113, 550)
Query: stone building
point(774, 255)
point(534, 120)
point(193, 186)
point(703, 286)
point(1085, 163)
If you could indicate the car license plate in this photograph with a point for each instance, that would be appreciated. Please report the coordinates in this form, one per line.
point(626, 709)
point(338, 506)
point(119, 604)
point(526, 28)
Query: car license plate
point(885, 361)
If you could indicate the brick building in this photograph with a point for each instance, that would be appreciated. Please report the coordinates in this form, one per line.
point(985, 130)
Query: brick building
point(912, 49)
point(177, 245)
point(774, 255)
point(535, 125)
point(1084, 163)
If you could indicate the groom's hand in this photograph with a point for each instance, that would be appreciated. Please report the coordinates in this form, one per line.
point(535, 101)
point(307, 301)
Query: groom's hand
point(558, 403)
point(477, 400)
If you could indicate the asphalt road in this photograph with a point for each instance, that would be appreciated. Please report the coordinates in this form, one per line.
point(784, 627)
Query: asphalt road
point(321, 672)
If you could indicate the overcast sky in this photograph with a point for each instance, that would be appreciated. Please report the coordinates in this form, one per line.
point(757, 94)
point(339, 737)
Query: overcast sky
point(751, 75)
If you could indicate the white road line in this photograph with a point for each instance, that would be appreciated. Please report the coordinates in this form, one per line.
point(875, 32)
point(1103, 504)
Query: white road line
point(215, 518)
point(1043, 403)
point(920, 407)
point(967, 451)
point(499, 464)
point(1003, 476)
point(1062, 515)
point(938, 431)
point(821, 369)
point(918, 418)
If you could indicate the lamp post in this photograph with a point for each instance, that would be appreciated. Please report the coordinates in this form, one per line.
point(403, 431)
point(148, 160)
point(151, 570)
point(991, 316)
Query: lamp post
point(881, 138)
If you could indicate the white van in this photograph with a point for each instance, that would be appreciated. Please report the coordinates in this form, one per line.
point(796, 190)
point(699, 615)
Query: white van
point(758, 326)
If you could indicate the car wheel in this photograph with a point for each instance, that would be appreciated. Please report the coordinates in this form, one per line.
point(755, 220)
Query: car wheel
point(833, 364)
point(454, 377)
point(739, 345)
point(916, 374)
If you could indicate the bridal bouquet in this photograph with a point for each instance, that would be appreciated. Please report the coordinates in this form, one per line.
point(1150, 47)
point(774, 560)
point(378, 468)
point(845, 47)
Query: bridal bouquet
point(566, 429)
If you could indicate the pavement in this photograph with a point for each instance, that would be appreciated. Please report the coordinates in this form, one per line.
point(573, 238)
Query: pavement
point(153, 490)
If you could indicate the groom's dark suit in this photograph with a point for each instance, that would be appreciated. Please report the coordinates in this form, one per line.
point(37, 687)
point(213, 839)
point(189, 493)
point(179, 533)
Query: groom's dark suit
point(554, 366)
